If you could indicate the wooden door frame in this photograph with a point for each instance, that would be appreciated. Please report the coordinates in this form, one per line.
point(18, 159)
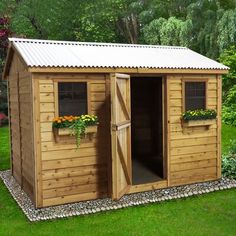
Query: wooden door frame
point(165, 134)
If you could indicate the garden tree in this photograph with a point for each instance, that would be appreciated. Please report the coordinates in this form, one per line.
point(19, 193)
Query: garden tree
point(203, 15)
point(128, 21)
point(170, 31)
point(226, 28)
point(228, 57)
point(33, 18)
point(97, 21)
point(175, 32)
point(4, 34)
point(213, 26)
point(206, 26)
point(67, 20)
point(112, 21)
point(152, 31)
point(177, 8)
point(226, 4)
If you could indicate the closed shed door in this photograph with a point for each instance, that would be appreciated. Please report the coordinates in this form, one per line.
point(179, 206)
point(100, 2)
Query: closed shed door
point(121, 134)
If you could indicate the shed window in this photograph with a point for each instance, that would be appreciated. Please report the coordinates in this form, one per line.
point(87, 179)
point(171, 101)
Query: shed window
point(195, 95)
point(72, 98)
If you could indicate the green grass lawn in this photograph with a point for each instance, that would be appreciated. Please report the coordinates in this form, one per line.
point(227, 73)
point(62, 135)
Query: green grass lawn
point(4, 148)
point(228, 133)
point(210, 214)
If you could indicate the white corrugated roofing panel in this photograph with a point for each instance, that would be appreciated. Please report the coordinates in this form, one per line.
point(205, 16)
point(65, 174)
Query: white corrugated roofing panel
point(47, 53)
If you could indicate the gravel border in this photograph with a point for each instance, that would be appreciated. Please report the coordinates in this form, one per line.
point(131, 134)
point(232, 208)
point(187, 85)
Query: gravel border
point(105, 204)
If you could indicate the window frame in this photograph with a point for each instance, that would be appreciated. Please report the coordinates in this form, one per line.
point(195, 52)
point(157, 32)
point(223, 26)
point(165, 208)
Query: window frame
point(194, 80)
point(56, 92)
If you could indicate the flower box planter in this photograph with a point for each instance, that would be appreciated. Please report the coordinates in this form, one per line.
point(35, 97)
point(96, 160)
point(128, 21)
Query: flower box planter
point(193, 123)
point(61, 133)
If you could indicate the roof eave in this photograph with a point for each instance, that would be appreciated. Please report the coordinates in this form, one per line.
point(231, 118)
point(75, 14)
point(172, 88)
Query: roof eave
point(124, 70)
point(10, 52)
point(7, 65)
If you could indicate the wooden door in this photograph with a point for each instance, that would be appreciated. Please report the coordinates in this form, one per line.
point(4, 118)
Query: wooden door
point(121, 134)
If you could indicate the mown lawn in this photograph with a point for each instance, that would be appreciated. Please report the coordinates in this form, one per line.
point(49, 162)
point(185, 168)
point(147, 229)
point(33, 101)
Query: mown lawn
point(228, 133)
point(210, 214)
point(4, 148)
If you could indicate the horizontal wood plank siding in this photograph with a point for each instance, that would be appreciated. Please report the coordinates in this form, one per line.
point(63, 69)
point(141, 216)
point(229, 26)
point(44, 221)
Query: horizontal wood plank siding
point(192, 150)
point(69, 174)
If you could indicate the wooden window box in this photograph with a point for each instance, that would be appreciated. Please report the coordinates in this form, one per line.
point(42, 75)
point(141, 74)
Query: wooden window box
point(193, 123)
point(61, 133)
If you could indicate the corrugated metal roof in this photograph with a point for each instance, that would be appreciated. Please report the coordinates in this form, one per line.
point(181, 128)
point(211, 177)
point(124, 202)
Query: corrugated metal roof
point(48, 53)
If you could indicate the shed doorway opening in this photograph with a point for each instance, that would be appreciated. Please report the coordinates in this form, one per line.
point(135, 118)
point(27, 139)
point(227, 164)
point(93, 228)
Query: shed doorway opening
point(146, 130)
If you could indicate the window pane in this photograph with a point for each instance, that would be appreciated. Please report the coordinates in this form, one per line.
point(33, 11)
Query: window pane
point(72, 98)
point(195, 95)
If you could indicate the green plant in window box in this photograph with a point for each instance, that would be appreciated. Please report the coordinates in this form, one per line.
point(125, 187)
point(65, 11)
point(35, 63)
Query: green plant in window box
point(199, 115)
point(76, 124)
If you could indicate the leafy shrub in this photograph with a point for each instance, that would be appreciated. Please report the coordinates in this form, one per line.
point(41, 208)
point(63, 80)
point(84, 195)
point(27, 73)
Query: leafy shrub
point(228, 58)
point(229, 115)
point(3, 95)
point(199, 115)
point(229, 161)
point(3, 119)
point(229, 107)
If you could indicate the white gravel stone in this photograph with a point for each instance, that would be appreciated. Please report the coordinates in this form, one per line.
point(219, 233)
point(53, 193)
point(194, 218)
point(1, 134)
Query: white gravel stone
point(88, 207)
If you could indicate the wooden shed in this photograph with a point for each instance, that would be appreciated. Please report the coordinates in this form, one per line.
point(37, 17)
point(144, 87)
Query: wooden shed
point(138, 92)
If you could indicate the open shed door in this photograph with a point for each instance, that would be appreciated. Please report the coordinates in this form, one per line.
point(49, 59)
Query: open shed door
point(121, 134)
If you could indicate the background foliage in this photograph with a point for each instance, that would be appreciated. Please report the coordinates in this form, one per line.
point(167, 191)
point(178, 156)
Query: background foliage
point(206, 26)
point(229, 161)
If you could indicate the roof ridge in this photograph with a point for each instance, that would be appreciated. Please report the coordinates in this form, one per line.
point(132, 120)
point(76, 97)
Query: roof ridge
point(58, 42)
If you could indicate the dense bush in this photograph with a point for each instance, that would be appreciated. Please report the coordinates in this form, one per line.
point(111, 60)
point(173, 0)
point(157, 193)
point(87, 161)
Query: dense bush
point(228, 58)
point(229, 162)
point(3, 119)
point(229, 107)
point(229, 115)
point(3, 97)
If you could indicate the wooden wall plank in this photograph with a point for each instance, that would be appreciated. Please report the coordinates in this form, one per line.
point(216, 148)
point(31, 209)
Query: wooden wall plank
point(74, 180)
point(37, 138)
point(63, 154)
point(193, 165)
point(73, 171)
point(73, 198)
point(219, 107)
point(193, 157)
point(194, 172)
point(72, 162)
point(193, 150)
point(20, 104)
point(63, 165)
point(77, 189)
point(168, 134)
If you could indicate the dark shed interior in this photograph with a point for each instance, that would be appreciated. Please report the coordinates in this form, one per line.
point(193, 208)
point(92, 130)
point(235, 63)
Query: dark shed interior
point(146, 113)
